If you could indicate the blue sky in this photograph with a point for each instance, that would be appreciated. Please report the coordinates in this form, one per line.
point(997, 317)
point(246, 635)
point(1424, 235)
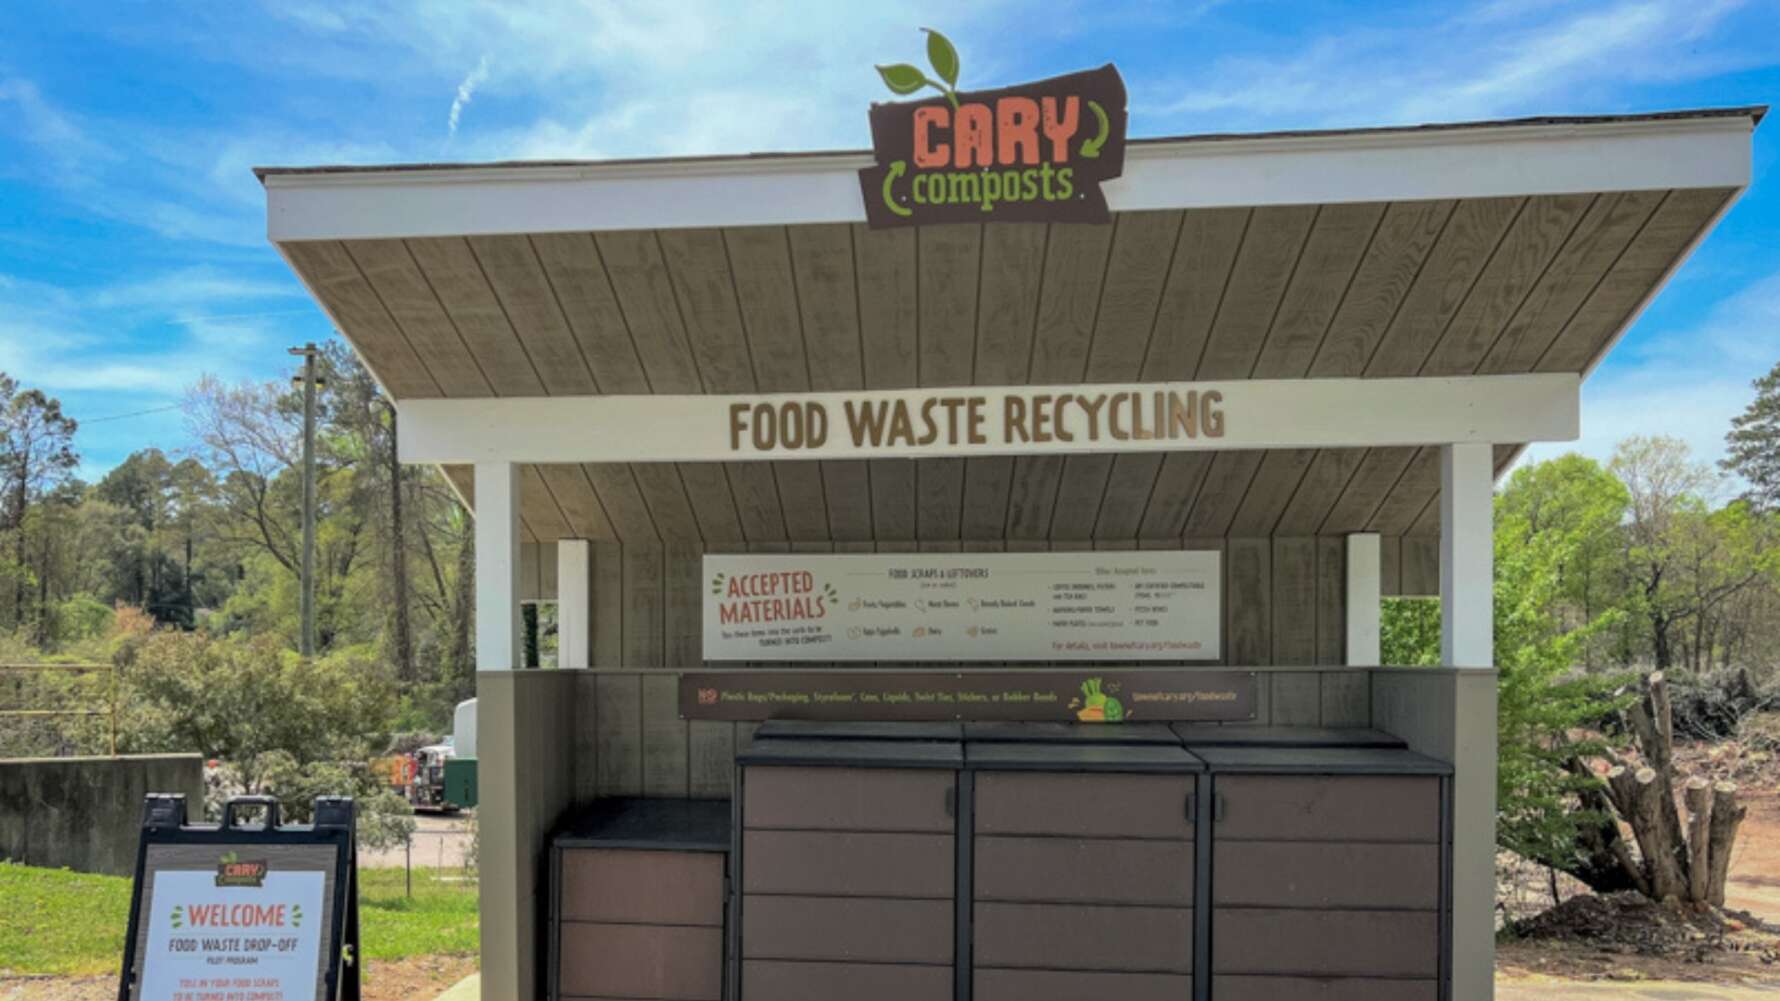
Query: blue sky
point(132, 249)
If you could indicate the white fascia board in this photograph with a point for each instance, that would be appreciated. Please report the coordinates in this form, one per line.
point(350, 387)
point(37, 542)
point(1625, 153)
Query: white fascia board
point(1478, 162)
point(1254, 414)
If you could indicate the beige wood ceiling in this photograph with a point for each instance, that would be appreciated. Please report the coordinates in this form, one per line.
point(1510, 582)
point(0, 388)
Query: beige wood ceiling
point(1478, 286)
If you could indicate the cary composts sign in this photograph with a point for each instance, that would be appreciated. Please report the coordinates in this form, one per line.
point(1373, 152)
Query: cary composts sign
point(1036, 152)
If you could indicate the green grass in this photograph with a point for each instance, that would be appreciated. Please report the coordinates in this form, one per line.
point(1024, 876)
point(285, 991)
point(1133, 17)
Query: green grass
point(53, 921)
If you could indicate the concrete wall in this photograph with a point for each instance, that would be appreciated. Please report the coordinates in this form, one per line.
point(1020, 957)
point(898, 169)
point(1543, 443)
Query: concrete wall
point(85, 814)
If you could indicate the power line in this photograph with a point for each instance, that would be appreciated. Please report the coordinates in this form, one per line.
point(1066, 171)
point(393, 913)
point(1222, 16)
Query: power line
point(84, 421)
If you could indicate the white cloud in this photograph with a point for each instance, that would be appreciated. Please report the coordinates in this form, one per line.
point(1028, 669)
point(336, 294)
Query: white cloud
point(1500, 59)
point(465, 91)
point(1686, 382)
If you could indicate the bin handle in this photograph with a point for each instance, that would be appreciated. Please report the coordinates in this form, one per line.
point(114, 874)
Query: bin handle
point(270, 803)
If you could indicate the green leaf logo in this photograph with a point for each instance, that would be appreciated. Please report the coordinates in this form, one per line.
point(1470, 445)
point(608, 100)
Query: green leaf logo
point(296, 915)
point(178, 916)
point(902, 78)
point(942, 57)
point(905, 79)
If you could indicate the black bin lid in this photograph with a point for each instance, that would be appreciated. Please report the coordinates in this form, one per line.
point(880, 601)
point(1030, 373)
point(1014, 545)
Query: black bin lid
point(853, 753)
point(1319, 761)
point(1252, 735)
point(811, 729)
point(1080, 757)
point(1069, 733)
point(688, 825)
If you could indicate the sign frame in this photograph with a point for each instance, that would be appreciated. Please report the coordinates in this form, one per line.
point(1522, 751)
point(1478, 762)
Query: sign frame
point(164, 824)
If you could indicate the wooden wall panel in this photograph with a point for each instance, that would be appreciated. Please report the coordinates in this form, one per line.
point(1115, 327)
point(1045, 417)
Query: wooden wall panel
point(1421, 565)
point(618, 734)
point(1331, 600)
point(1248, 583)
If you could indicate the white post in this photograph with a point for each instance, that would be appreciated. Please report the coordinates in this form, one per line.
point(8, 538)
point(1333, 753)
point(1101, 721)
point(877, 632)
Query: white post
point(497, 566)
point(1467, 578)
point(1364, 586)
point(574, 603)
point(1467, 624)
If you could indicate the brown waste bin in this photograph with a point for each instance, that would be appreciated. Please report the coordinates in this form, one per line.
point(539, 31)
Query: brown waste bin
point(848, 865)
point(1083, 873)
point(638, 901)
point(1329, 874)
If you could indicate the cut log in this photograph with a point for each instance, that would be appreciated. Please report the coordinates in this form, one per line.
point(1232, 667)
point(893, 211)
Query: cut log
point(1652, 719)
point(1663, 715)
point(1641, 790)
point(1606, 863)
point(1727, 814)
point(1698, 794)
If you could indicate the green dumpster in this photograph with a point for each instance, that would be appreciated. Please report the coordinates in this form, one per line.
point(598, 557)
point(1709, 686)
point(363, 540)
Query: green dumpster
point(460, 782)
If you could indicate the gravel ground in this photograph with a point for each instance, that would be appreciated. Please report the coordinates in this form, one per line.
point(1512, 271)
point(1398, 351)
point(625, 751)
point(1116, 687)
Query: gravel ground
point(440, 842)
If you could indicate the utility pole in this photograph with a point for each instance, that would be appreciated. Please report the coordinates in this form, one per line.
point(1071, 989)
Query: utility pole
point(308, 353)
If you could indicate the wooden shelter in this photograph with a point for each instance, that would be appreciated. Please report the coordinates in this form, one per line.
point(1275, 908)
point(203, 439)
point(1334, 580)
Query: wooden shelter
point(1389, 315)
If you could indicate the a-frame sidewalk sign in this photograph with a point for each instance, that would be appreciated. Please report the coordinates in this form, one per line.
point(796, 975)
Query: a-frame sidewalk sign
point(232, 912)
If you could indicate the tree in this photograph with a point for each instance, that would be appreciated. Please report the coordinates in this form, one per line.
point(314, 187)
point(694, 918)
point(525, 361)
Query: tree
point(280, 724)
point(36, 455)
point(1667, 536)
point(1547, 521)
point(1574, 495)
point(1752, 446)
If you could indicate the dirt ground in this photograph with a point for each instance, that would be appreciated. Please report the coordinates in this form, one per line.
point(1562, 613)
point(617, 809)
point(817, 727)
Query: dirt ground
point(1530, 969)
point(418, 978)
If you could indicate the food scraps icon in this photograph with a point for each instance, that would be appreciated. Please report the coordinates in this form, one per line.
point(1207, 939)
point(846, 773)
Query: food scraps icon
point(1096, 706)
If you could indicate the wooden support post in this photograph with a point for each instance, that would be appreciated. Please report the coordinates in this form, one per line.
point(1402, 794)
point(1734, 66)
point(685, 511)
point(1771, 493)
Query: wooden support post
point(1363, 597)
point(497, 566)
point(574, 603)
point(1467, 625)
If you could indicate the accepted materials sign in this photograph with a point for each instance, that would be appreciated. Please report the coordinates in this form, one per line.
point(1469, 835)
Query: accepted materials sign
point(963, 607)
point(1036, 152)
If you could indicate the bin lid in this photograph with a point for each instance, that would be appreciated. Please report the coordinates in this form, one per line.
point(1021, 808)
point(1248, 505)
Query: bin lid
point(1069, 733)
point(1320, 761)
point(693, 825)
point(808, 729)
point(1080, 757)
point(853, 753)
point(1251, 735)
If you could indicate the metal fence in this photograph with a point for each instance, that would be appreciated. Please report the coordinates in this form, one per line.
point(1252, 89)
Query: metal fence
point(109, 711)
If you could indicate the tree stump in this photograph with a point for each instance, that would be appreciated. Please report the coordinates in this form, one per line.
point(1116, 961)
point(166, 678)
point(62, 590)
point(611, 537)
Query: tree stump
point(1698, 794)
point(1727, 814)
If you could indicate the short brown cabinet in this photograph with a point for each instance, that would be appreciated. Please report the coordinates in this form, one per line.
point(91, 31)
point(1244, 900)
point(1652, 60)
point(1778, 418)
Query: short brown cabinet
point(848, 863)
point(1327, 874)
point(639, 900)
point(1083, 871)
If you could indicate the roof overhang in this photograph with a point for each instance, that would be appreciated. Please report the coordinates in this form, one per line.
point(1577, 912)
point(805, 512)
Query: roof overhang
point(1475, 160)
point(1440, 252)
